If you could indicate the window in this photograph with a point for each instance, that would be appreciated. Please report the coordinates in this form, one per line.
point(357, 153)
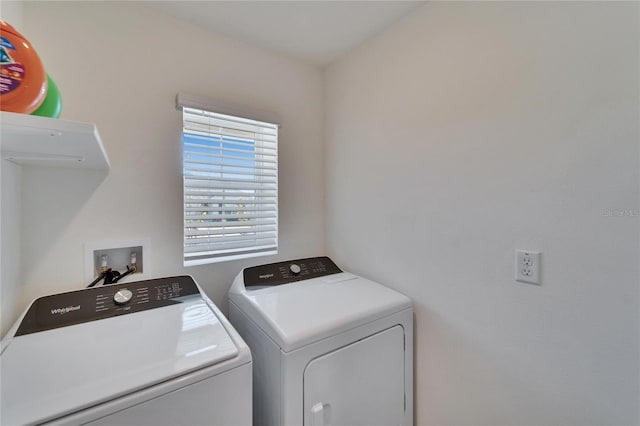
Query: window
point(230, 173)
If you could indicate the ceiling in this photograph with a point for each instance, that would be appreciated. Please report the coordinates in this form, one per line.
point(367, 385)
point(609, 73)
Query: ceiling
point(316, 32)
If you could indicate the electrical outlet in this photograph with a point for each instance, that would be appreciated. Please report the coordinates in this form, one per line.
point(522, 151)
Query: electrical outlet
point(528, 266)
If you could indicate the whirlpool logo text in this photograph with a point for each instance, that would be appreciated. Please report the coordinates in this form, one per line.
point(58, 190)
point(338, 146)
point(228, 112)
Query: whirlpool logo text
point(66, 310)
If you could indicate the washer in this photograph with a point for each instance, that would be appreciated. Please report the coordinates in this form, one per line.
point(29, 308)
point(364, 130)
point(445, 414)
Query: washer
point(329, 347)
point(155, 352)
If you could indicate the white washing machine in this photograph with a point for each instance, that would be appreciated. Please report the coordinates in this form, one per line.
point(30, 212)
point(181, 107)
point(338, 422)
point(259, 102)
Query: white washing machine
point(329, 347)
point(154, 352)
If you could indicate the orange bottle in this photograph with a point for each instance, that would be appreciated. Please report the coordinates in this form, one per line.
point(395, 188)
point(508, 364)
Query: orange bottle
point(23, 80)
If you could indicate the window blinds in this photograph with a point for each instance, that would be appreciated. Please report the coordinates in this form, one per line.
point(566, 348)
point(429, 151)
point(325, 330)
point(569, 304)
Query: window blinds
point(230, 172)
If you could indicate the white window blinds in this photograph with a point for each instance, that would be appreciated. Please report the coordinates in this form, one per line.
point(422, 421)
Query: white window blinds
point(230, 171)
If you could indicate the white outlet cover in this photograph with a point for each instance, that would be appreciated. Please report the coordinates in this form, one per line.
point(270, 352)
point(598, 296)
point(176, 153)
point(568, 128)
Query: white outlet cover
point(527, 266)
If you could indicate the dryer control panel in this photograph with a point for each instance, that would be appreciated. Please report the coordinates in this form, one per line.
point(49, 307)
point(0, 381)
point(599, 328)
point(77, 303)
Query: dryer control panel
point(90, 304)
point(289, 271)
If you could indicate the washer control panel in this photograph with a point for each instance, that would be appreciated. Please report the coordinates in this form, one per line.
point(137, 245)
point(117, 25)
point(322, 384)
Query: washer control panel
point(90, 304)
point(289, 271)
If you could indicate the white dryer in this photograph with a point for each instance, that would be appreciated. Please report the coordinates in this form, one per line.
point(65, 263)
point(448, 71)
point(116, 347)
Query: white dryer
point(154, 352)
point(329, 347)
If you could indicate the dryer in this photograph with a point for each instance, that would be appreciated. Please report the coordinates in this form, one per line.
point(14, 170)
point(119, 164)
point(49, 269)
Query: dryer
point(154, 352)
point(329, 347)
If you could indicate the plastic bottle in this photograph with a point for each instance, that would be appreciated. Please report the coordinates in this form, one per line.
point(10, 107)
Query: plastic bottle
point(52, 104)
point(23, 80)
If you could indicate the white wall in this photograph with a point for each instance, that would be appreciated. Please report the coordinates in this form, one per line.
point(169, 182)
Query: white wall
point(10, 263)
point(120, 65)
point(10, 216)
point(468, 130)
point(11, 12)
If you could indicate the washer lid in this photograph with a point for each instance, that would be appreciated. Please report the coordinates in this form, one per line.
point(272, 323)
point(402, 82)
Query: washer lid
point(51, 373)
point(300, 313)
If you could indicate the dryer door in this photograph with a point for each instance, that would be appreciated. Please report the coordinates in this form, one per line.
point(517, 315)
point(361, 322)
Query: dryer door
point(359, 384)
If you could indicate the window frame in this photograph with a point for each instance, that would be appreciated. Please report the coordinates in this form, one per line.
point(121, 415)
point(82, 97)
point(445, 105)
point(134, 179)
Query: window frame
point(228, 163)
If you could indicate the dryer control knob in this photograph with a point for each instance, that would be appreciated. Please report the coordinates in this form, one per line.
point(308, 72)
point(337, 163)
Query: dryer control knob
point(122, 296)
point(295, 269)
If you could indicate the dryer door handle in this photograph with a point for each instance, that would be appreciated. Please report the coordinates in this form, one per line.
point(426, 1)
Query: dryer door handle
point(321, 414)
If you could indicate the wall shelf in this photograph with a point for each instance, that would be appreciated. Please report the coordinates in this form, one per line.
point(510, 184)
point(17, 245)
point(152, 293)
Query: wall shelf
point(42, 141)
